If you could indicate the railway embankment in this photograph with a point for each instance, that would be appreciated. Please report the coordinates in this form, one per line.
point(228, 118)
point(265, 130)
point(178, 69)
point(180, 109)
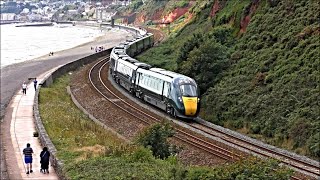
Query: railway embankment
point(43, 135)
point(56, 74)
point(72, 66)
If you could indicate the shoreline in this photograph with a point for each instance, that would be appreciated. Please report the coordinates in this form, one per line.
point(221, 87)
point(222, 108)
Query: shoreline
point(96, 41)
point(41, 56)
point(13, 75)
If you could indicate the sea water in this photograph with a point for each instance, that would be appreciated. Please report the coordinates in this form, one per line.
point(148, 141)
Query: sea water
point(19, 44)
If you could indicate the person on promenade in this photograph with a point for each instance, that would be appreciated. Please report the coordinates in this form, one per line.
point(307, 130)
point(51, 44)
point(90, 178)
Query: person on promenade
point(28, 151)
point(35, 82)
point(24, 88)
point(44, 160)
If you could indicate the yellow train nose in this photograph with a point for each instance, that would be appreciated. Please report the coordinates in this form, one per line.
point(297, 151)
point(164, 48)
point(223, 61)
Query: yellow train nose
point(190, 105)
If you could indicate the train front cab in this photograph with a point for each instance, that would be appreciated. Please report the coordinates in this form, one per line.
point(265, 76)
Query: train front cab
point(185, 98)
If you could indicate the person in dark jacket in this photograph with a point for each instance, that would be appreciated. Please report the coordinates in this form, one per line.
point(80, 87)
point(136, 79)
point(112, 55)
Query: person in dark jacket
point(44, 160)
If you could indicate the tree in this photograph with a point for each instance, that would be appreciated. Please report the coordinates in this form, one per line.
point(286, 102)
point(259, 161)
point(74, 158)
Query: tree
point(206, 63)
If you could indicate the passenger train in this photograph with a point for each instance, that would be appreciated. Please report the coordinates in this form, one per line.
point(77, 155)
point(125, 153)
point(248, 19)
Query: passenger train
point(174, 93)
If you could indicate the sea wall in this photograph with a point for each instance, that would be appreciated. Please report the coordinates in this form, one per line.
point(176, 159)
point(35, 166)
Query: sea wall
point(43, 135)
point(72, 66)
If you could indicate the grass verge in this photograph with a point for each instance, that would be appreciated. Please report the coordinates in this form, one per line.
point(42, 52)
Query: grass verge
point(91, 152)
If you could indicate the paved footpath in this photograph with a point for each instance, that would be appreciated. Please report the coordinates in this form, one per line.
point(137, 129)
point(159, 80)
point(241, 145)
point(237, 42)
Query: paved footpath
point(21, 130)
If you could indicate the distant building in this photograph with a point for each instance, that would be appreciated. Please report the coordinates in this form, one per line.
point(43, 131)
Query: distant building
point(104, 14)
point(25, 11)
point(121, 2)
point(72, 12)
point(35, 17)
point(8, 17)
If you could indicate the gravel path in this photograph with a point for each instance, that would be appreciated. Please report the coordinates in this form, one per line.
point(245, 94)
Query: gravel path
point(12, 77)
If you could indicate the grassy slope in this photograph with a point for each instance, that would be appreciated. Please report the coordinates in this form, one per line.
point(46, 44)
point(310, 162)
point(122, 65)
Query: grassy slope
point(271, 89)
point(82, 144)
point(90, 152)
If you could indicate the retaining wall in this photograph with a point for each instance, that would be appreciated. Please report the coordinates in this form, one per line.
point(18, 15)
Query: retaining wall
point(43, 135)
point(72, 66)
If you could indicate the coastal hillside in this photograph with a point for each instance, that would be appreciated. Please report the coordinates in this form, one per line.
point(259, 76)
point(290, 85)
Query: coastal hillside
point(255, 61)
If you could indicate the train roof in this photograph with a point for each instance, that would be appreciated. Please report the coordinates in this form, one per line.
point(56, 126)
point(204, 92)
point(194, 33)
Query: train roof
point(132, 41)
point(129, 59)
point(155, 74)
point(120, 46)
point(143, 65)
point(128, 64)
point(119, 51)
point(117, 55)
point(166, 72)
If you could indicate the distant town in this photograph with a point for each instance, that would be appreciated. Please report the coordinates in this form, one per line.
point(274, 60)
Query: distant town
point(54, 11)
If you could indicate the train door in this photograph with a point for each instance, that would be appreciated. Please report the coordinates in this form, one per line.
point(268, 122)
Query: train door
point(136, 85)
point(133, 76)
point(112, 65)
point(166, 97)
point(165, 91)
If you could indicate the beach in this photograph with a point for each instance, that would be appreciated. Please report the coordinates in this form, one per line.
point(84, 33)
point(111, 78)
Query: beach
point(12, 76)
point(19, 44)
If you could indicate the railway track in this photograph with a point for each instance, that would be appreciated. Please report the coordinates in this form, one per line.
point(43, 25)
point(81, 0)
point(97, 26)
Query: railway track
point(308, 168)
point(123, 103)
point(139, 114)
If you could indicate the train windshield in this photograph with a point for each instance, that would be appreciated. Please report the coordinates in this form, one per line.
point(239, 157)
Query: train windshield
point(188, 90)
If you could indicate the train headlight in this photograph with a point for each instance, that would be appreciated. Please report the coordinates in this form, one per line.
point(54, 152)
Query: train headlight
point(180, 99)
point(198, 100)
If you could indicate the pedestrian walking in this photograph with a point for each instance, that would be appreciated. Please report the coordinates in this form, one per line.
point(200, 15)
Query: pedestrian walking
point(28, 151)
point(44, 160)
point(35, 82)
point(24, 88)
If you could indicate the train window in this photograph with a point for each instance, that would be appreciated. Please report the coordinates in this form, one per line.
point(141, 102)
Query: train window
point(148, 82)
point(188, 90)
point(166, 87)
point(159, 84)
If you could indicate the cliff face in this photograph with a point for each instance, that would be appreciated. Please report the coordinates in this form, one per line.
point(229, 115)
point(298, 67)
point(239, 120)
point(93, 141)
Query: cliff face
point(256, 63)
point(175, 14)
point(169, 12)
point(162, 11)
point(215, 8)
point(247, 15)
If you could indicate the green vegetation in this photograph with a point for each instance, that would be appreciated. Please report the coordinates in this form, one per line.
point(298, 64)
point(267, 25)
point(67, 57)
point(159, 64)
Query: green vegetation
point(155, 139)
point(90, 152)
point(263, 82)
point(272, 87)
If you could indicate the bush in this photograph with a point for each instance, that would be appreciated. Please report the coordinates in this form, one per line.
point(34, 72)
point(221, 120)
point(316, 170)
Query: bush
point(142, 155)
point(155, 139)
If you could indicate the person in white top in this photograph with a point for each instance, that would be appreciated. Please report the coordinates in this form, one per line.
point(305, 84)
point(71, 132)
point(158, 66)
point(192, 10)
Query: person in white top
point(24, 88)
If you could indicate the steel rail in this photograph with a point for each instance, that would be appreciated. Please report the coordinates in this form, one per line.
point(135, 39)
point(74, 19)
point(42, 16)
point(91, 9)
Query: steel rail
point(303, 166)
point(211, 150)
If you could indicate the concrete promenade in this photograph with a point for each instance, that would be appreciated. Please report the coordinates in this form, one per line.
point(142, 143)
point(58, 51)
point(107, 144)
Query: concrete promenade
point(21, 131)
point(12, 77)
